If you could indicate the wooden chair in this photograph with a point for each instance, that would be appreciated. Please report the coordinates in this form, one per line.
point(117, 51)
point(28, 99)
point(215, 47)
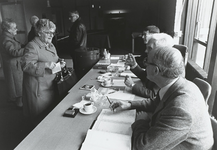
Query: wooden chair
point(214, 128)
point(204, 87)
point(184, 51)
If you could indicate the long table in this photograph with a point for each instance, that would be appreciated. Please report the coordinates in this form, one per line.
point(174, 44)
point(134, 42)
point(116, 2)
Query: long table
point(55, 131)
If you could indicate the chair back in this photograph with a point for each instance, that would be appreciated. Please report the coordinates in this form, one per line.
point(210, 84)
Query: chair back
point(184, 51)
point(204, 87)
point(214, 128)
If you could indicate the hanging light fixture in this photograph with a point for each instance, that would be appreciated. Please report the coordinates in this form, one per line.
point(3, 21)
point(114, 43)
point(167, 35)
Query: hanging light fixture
point(48, 3)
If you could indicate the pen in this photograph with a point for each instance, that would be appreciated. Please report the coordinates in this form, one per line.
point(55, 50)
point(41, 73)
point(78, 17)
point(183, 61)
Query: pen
point(109, 103)
point(111, 92)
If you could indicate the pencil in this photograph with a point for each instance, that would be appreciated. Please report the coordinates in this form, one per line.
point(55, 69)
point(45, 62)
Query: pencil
point(108, 100)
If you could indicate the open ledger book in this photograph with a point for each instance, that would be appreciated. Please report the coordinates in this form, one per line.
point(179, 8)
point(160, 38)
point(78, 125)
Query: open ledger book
point(111, 131)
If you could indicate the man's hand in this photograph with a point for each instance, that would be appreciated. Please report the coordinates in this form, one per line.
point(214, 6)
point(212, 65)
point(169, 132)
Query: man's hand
point(120, 105)
point(130, 61)
point(128, 81)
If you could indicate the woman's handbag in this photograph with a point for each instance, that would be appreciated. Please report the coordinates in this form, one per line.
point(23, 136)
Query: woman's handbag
point(64, 81)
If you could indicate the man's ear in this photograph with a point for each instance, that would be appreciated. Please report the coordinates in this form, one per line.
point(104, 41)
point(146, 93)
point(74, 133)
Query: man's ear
point(156, 70)
point(77, 16)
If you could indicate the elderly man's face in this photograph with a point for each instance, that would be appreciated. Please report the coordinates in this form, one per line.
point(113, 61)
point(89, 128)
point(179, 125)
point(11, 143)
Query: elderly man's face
point(73, 17)
point(150, 67)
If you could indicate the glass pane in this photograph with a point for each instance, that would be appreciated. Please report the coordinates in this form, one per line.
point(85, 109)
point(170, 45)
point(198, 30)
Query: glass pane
point(200, 55)
point(203, 18)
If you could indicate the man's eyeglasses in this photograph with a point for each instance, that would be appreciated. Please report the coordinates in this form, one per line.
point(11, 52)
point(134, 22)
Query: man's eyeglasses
point(148, 64)
point(49, 33)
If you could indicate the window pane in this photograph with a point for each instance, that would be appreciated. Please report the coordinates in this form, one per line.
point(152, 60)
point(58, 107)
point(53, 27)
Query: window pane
point(203, 18)
point(200, 55)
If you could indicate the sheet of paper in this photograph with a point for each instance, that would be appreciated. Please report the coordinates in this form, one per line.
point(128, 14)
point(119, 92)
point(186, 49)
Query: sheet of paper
point(81, 103)
point(127, 116)
point(106, 140)
point(123, 74)
point(120, 95)
point(118, 83)
point(57, 68)
point(105, 91)
point(118, 64)
point(89, 146)
point(114, 58)
point(113, 127)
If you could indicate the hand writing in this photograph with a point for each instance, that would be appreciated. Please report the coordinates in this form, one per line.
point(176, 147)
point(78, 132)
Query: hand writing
point(120, 105)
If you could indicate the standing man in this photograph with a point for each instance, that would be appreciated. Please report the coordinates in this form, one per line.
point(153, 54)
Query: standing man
point(77, 34)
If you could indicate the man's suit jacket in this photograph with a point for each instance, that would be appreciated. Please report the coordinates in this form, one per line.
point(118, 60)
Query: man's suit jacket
point(148, 88)
point(180, 121)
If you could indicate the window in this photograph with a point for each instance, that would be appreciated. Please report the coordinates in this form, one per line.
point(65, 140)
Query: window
point(199, 30)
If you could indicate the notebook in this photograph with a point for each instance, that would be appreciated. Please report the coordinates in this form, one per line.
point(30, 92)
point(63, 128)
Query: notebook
point(111, 131)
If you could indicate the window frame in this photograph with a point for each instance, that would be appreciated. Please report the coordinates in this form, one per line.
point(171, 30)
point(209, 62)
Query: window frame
point(190, 27)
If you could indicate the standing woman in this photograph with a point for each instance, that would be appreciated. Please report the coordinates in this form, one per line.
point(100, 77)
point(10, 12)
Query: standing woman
point(39, 59)
point(11, 51)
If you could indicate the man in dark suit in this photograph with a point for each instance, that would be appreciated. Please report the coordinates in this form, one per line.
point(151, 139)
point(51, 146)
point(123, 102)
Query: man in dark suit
point(180, 119)
point(147, 88)
point(77, 36)
point(77, 33)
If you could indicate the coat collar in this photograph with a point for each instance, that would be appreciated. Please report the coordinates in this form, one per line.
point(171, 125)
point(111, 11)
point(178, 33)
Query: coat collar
point(168, 93)
point(8, 34)
point(49, 47)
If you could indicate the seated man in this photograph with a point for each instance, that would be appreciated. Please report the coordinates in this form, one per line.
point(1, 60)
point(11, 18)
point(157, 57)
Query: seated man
point(148, 89)
point(149, 30)
point(180, 118)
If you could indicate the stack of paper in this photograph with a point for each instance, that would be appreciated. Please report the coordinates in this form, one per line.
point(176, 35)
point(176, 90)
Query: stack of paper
point(120, 95)
point(118, 122)
point(98, 140)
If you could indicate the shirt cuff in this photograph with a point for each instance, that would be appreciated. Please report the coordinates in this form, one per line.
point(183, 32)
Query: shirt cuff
point(134, 66)
point(132, 85)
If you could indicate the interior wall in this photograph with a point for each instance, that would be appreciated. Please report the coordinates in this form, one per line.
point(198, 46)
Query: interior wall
point(38, 8)
point(140, 13)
